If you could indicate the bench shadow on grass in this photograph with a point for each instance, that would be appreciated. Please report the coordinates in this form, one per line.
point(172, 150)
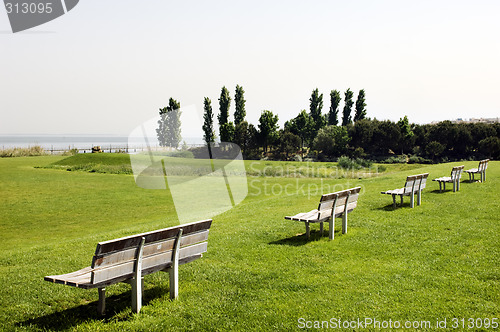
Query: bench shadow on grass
point(301, 239)
point(116, 305)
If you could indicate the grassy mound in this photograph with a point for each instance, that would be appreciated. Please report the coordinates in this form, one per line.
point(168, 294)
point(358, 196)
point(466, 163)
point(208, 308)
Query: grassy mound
point(113, 163)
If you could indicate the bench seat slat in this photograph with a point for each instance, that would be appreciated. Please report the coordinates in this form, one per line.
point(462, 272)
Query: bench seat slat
point(305, 216)
point(72, 279)
point(394, 191)
point(444, 179)
point(86, 284)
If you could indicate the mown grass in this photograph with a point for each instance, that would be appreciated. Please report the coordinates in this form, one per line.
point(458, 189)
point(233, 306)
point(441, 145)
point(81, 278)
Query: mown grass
point(121, 164)
point(438, 260)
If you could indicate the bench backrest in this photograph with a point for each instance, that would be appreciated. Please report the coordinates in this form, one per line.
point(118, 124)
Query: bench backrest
point(456, 172)
point(483, 165)
point(338, 200)
point(116, 259)
point(415, 183)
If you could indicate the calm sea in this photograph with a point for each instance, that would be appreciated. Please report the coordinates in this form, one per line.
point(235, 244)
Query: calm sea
point(82, 143)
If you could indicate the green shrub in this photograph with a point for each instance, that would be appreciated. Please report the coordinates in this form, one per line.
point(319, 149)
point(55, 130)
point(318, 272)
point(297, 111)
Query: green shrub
point(358, 163)
point(23, 152)
point(402, 159)
point(181, 154)
point(418, 160)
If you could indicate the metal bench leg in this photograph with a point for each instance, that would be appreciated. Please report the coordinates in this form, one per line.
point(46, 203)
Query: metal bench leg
point(344, 215)
point(412, 200)
point(440, 190)
point(321, 229)
point(419, 197)
point(331, 229)
point(307, 230)
point(401, 200)
point(454, 186)
point(137, 290)
point(136, 282)
point(174, 270)
point(394, 201)
point(101, 305)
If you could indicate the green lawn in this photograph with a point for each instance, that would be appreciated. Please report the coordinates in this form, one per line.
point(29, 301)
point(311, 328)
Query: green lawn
point(439, 260)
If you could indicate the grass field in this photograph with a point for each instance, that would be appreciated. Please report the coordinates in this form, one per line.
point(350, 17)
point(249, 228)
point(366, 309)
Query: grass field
point(437, 261)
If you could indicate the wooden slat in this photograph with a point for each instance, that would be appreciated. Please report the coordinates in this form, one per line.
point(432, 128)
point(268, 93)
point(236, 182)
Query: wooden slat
point(127, 268)
point(394, 192)
point(327, 200)
point(339, 210)
point(154, 236)
point(63, 278)
point(443, 179)
point(423, 180)
point(311, 215)
point(75, 279)
point(326, 205)
point(331, 196)
point(149, 249)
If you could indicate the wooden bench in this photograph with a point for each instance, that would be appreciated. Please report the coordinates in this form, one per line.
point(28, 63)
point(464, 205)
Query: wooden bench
point(415, 184)
point(456, 174)
point(331, 206)
point(130, 258)
point(481, 169)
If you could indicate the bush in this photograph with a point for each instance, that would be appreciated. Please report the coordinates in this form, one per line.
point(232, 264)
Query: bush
point(70, 152)
point(23, 152)
point(418, 160)
point(402, 159)
point(181, 154)
point(490, 147)
point(358, 163)
point(364, 162)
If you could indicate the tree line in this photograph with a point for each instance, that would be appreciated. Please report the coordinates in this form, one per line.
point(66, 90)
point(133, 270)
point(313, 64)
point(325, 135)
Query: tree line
point(312, 134)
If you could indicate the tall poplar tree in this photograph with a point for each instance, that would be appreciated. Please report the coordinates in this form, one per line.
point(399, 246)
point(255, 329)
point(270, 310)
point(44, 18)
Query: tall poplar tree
point(346, 114)
point(208, 122)
point(335, 99)
point(315, 107)
point(239, 101)
point(360, 106)
point(226, 128)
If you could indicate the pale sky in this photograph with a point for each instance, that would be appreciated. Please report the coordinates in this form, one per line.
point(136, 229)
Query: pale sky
point(107, 66)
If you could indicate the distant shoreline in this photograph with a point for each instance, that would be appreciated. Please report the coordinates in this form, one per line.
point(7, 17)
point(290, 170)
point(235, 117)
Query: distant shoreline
point(79, 142)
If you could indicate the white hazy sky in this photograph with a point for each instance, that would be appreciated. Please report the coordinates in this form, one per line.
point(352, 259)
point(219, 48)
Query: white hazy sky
point(107, 66)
